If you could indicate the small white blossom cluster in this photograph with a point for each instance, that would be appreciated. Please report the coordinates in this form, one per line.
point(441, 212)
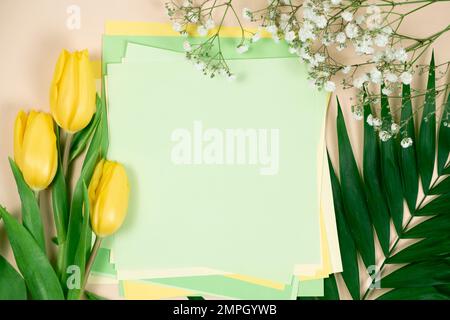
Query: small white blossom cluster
point(327, 25)
point(388, 130)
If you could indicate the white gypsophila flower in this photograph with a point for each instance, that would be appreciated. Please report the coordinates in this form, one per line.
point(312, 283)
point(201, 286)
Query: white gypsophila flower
point(377, 122)
point(202, 31)
point(199, 66)
point(330, 86)
point(369, 120)
point(247, 13)
point(358, 114)
point(275, 38)
point(289, 36)
point(347, 16)
point(386, 91)
point(187, 3)
point(320, 21)
point(292, 50)
point(384, 135)
point(395, 128)
point(308, 14)
point(231, 77)
point(351, 30)
point(359, 20)
point(406, 142)
point(374, 18)
point(319, 57)
point(177, 27)
point(376, 76)
point(360, 81)
point(284, 17)
point(335, 2)
point(256, 37)
point(242, 48)
point(377, 56)
point(305, 55)
point(340, 37)
point(381, 40)
point(210, 24)
point(306, 32)
point(364, 45)
point(406, 77)
point(346, 69)
point(401, 55)
point(286, 2)
point(390, 77)
point(341, 47)
point(272, 29)
point(373, 9)
point(327, 40)
point(387, 30)
point(187, 46)
point(388, 55)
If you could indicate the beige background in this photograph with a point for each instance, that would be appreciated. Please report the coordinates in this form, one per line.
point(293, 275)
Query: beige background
point(32, 34)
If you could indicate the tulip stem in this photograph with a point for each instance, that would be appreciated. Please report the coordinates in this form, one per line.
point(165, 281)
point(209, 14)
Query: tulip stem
point(38, 200)
point(97, 243)
point(66, 154)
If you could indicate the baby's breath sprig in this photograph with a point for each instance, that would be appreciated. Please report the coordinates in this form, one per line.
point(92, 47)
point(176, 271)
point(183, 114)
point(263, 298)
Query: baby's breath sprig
point(317, 31)
point(207, 55)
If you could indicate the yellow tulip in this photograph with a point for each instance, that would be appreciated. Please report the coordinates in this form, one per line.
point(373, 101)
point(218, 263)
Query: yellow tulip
point(108, 196)
point(35, 151)
point(72, 93)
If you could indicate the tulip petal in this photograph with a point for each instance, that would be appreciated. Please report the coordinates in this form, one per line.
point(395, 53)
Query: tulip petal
point(85, 108)
point(111, 205)
point(19, 130)
point(39, 152)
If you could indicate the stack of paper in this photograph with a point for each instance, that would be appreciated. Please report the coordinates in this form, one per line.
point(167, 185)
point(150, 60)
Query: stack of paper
point(230, 195)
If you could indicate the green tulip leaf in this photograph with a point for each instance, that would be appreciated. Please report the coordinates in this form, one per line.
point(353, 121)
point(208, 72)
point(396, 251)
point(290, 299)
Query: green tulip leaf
point(427, 133)
point(12, 285)
point(96, 151)
point(31, 214)
point(40, 278)
point(81, 138)
point(354, 197)
point(83, 246)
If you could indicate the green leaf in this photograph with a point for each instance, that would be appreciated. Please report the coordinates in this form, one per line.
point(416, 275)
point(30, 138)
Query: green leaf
point(390, 172)
point(330, 288)
point(12, 285)
point(407, 156)
point(422, 293)
point(427, 134)
point(96, 151)
point(39, 275)
point(422, 250)
point(93, 296)
point(421, 274)
point(349, 256)
point(444, 138)
point(437, 226)
point(31, 214)
point(374, 189)
point(442, 187)
point(83, 246)
point(81, 138)
point(59, 198)
point(439, 205)
point(353, 195)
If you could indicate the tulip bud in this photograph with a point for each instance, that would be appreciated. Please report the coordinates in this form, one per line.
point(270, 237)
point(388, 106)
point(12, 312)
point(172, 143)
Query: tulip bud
point(35, 150)
point(108, 196)
point(72, 93)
